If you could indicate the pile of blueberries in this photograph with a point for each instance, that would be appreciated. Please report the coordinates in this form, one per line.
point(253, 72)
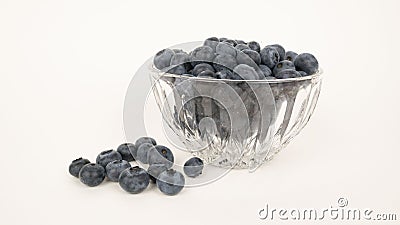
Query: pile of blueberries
point(223, 58)
point(116, 167)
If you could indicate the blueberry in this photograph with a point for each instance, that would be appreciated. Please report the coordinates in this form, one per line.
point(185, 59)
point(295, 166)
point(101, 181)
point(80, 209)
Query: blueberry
point(240, 42)
point(180, 58)
point(303, 74)
point(143, 151)
point(222, 62)
point(114, 169)
point(134, 180)
point(145, 140)
point(266, 70)
point(92, 174)
point(107, 156)
point(154, 171)
point(163, 58)
point(255, 56)
point(77, 165)
point(289, 73)
point(246, 72)
point(211, 42)
point(280, 50)
point(179, 70)
point(224, 48)
point(254, 46)
point(202, 54)
point(170, 182)
point(207, 74)
point(269, 56)
point(202, 67)
point(128, 151)
point(291, 56)
point(231, 42)
point(241, 47)
point(161, 155)
point(193, 167)
point(223, 39)
point(307, 63)
point(224, 74)
point(283, 65)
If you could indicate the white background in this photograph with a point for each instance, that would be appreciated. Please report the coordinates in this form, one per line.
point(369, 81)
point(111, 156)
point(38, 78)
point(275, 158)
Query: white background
point(65, 67)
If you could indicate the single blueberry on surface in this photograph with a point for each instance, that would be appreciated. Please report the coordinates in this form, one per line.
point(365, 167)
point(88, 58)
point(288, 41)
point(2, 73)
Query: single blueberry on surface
point(193, 167)
point(170, 182)
point(161, 155)
point(142, 140)
point(291, 56)
point(241, 47)
point(253, 45)
point(134, 180)
point(246, 72)
point(224, 48)
point(269, 56)
point(105, 157)
point(283, 65)
point(211, 42)
point(201, 68)
point(114, 169)
point(92, 174)
point(202, 54)
point(163, 58)
point(77, 165)
point(155, 170)
point(265, 70)
point(289, 73)
point(306, 62)
point(255, 56)
point(280, 50)
point(143, 151)
point(127, 151)
point(224, 61)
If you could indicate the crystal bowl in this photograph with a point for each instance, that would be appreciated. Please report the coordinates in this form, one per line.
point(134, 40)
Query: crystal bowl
point(235, 123)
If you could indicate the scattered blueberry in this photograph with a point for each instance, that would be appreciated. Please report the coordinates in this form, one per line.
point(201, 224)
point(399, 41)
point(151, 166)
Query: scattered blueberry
point(127, 151)
point(269, 56)
point(283, 65)
point(145, 140)
point(280, 50)
point(246, 72)
point(107, 156)
point(266, 70)
point(77, 165)
point(202, 67)
point(170, 182)
point(241, 47)
point(307, 63)
point(114, 169)
point(134, 180)
point(289, 73)
point(161, 155)
point(163, 58)
point(291, 56)
point(255, 56)
point(224, 48)
point(143, 151)
point(193, 167)
point(92, 174)
point(254, 46)
point(154, 171)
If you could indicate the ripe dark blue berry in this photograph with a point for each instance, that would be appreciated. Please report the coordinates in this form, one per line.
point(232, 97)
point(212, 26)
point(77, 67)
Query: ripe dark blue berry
point(283, 65)
point(280, 50)
point(143, 151)
point(306, 62)
point(107, 156)
point(134, 180)
point(161, 155)
point(207, 74)
point(170, 182)
point(291, 56)
point(92, 174)
point(202, 54)
point(231, 42)
point(225, 61)
point(114, 169)
point(224, 48)
point(145, 140)
point(265, 70)
point(253, 45)
point(246, 72)
point(77, 165)
point(127, 151)
point(163, 58)
point(155, 170)
point(202, 67)
point(269, 56)
point(193, 167)
point(255, 56)
point(211, 42)
point(241, 47)
point(289, 73)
